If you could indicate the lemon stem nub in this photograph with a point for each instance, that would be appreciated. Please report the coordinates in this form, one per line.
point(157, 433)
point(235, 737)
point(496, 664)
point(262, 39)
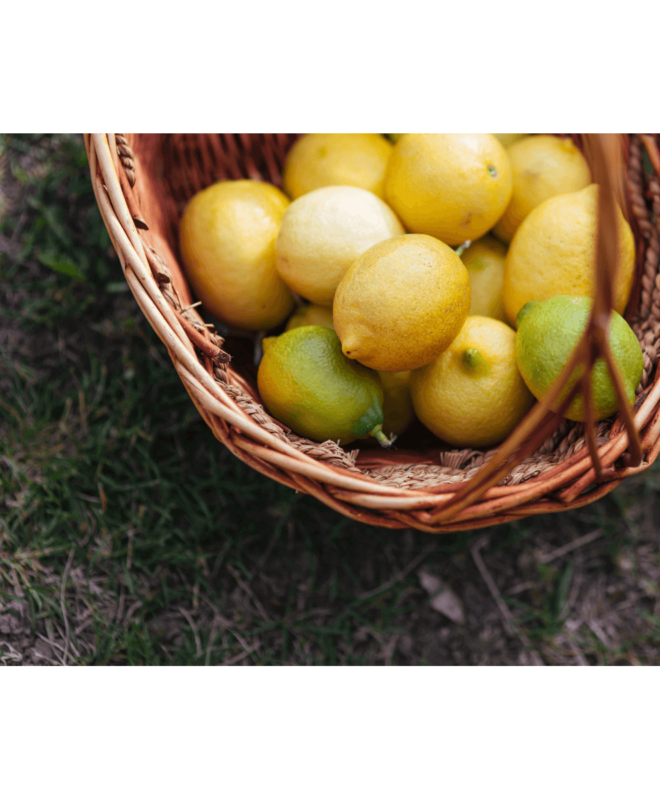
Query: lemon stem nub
point(384, 441)
point(460, 250)
point(473, 359)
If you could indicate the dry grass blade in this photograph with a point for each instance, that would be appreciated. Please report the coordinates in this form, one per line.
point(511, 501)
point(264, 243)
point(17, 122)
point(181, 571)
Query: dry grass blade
point(502, 606)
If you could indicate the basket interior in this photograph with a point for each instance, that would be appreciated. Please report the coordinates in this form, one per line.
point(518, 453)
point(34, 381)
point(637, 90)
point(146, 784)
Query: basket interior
point(174, 167)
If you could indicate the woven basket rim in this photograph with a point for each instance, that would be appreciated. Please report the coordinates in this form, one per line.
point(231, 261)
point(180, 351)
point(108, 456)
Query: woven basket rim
point(323, 470)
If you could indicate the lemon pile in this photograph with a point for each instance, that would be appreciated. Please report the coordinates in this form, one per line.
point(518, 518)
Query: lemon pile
point(393, 271)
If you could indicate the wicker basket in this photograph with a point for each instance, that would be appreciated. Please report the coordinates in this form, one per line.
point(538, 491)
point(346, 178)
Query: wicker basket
point(548, 464)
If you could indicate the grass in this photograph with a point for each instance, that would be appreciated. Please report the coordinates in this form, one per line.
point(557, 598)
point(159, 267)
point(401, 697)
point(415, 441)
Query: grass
point(128, 535)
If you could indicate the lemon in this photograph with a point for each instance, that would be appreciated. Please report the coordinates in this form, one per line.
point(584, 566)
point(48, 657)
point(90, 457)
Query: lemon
point(310, 315)
point(542, 166)
point(484, 260)
point(547, 335)
point(227, 236)
point(472, 395)
point(306, 383)
point(336, 159)
point(401, 303)
point(507, 139)
point(448, 185)
point(397, 405)
point(553, 252)
point(323, 232)
point(398, 412)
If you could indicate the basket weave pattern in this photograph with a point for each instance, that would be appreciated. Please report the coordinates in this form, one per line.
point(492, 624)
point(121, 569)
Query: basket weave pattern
point(142, 183)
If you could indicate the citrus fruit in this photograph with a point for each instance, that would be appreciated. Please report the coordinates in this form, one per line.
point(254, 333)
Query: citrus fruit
point(542, 167)
point(472, 395)
point(336, 159)
point(553, 252)
point(484, 260)
point(323, 232)
point(227, 236)
point(452, 186)
point(398, 411)
point(308, 384)
point(549, 331)
point(310, 315)
point(401, 303)
point(507, 139)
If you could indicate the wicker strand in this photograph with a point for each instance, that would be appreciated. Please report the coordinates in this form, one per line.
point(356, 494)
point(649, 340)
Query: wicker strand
point(126, 157)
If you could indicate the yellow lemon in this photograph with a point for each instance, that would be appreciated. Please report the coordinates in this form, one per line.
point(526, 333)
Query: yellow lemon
point(548, 332)
point(398, 412)
point(484, 260)
point(542, 166)
point(507, 139)
point(306, 383)
point(336, 159)
point(451, 186)
point(323, 232)
point(472, 395)
point(401, 303)
point(227, 236)
point(310, 315)
point(553, 252)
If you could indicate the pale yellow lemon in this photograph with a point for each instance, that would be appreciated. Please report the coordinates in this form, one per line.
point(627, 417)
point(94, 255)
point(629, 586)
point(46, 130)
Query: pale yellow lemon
point(472, 395)
point(542, 166)
point(507, 139)
point(451, 186)
point(336, 159)
point(485, 260)
point(398, 412)
point(553, 252)
point(310, 314)
point(227, 237)
point(401, 303)
point(323, 232)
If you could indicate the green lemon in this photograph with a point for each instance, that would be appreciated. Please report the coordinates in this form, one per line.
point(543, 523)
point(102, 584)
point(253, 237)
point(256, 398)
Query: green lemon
point(307, 383)
point(549, 331)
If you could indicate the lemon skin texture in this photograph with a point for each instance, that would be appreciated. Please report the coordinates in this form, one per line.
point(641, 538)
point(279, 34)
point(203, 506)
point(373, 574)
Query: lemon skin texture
point(548, 332)
point(472, 395)
point(398, 412)
point(451, 186)
point(485, 261)
point(507, 139)
point(542, 167)
point(227, 237)
point(306, 383)
point(323, 232)
point(336, 159)
point(553, 252)
point(310, 315)
point(401, 303)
